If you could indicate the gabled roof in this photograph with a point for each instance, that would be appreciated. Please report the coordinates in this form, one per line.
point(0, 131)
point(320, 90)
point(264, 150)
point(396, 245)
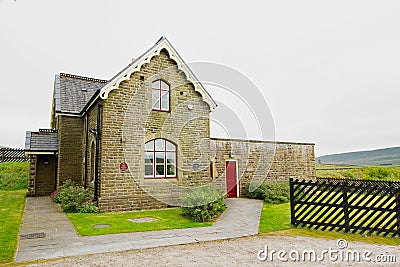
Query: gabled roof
point(42, 141)
point(136, 65)
point(73, 92)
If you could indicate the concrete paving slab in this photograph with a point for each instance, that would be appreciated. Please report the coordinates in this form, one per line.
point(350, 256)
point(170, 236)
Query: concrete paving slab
point(42, 215)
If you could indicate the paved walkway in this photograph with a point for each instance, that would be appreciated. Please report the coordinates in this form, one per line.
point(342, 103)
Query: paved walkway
point(41, 215)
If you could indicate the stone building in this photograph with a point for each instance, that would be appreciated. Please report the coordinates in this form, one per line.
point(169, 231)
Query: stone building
point(142, 138)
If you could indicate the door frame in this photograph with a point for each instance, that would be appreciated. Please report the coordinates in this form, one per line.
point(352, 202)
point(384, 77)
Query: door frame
point(237, 176)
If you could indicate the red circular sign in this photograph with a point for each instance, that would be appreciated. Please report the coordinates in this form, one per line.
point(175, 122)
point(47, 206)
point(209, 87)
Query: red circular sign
point(123, 166)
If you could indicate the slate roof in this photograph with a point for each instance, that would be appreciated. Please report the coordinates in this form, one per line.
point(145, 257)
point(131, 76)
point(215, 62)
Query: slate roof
point(41, 141)
point(73, 92)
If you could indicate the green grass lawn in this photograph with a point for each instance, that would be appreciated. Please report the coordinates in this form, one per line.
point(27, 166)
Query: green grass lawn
point(275, 220)
point(11, 210)
point(14, 175)
point(119, 223)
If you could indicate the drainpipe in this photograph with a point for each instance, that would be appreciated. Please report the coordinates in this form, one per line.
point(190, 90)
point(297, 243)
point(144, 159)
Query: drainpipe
point(96, 132)
point(86, 148)
point(55, 170)
point(96, 175)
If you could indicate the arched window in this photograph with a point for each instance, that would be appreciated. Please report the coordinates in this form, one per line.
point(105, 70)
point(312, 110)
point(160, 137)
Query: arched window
point(159, 159)
point(160, 93)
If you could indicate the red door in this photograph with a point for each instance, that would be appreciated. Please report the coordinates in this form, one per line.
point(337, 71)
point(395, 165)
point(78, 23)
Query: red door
point(231, 179)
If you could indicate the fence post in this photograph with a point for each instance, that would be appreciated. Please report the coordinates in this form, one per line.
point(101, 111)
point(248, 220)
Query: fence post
point(397, 194)
point(345, 206)
point(292, 204)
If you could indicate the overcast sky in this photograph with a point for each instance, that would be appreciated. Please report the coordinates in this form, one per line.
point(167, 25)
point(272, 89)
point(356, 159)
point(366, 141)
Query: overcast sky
point(329, 70)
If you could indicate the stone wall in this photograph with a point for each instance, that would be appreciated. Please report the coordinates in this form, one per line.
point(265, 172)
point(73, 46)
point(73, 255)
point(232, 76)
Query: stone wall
point(70, 146)
point(262, 160)
point(32, 176)
point(129, 122)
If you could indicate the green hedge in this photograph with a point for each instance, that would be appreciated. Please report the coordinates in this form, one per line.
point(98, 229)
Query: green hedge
point(274, 192)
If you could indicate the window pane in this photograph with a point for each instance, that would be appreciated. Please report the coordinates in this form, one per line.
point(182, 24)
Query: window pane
point(149, 145)
point(171, 166)
point(171, 158)
point(148, 170)
point(165, 101)
point(156, 84)
point(164, 86)
point(148, 158)
point(156, 99)
point(171, 170)
point(160, 145)
point(160, 169)
point(170, 146)
point(160, 157)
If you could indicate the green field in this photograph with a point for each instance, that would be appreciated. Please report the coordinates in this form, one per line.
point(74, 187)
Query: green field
point(120, 223)
point(346, 171)
point(14, 175)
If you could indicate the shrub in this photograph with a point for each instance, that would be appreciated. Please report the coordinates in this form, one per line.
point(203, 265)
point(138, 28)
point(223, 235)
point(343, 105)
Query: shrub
point(53, 196)
point(380, 173)
point(203, 203)
point(89, 207)
point(74, 198)
point(274, 192)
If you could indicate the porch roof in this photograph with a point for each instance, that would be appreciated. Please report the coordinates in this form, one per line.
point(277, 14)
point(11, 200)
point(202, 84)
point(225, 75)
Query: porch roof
point(42, 141)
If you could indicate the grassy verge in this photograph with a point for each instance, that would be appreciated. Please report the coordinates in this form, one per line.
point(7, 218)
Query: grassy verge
point(14, 175)
point(11, 210)
point(119, 223)
point(275, 220)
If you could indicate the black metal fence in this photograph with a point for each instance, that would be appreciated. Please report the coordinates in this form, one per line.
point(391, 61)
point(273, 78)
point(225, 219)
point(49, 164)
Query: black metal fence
point(350, 205)
point(12, 155)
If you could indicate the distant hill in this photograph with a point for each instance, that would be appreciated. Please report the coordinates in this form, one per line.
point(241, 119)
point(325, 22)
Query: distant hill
point(385, 156)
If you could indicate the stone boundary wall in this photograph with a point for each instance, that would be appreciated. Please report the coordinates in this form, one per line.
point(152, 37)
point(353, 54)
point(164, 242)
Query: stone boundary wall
point(262, 160)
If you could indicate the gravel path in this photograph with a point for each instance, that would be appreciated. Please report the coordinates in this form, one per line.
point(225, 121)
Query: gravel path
point(233, 252)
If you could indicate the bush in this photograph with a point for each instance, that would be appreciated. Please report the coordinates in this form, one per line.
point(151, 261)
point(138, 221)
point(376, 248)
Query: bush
point(270, 191)
point(203, 203)
point(380, 173)
point(89, 207)
point(74, 198)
